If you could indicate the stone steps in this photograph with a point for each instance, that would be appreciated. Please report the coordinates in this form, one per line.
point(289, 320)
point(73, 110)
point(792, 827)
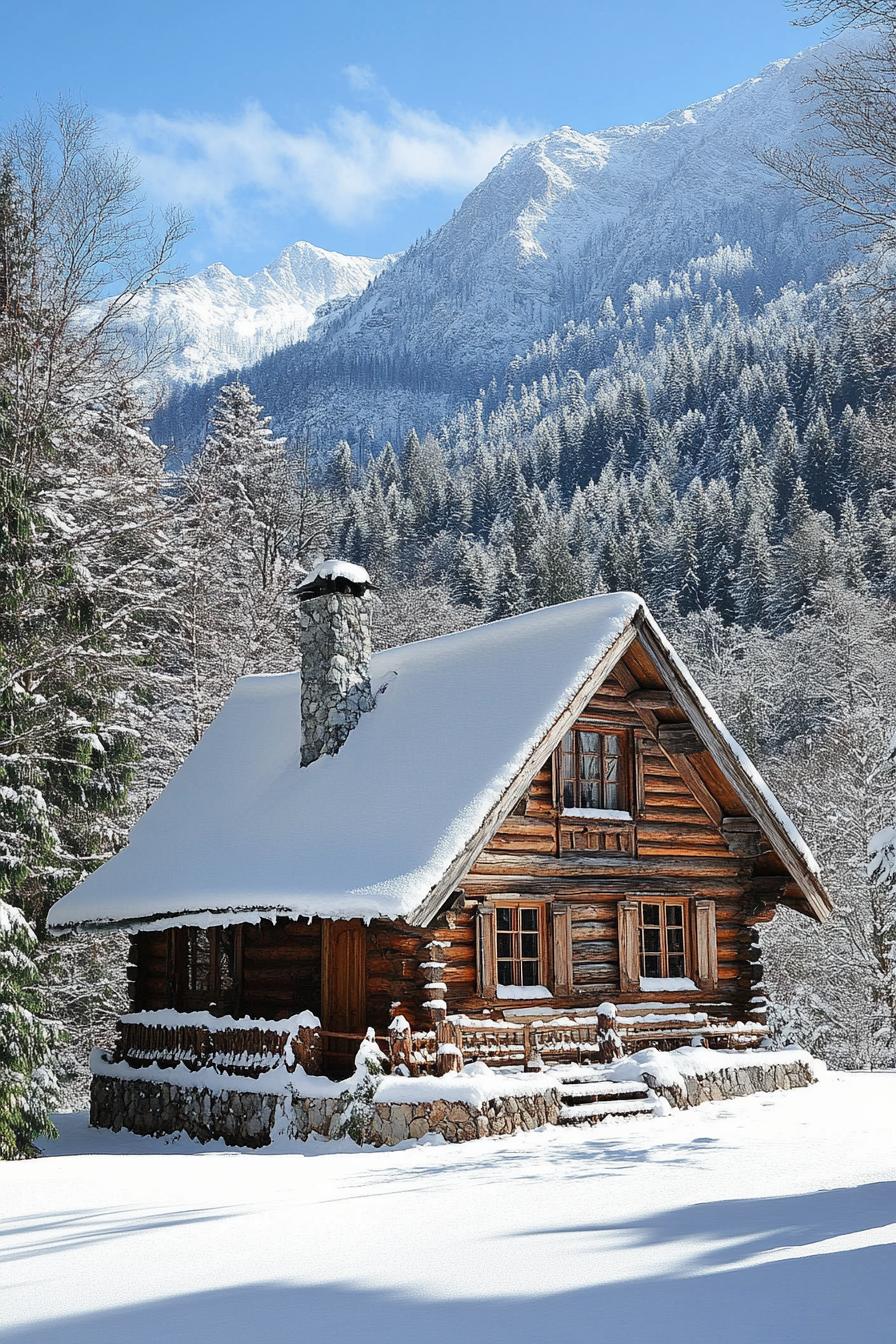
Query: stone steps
point(592, 1097)
point(594, 1090)
point(587, 1112)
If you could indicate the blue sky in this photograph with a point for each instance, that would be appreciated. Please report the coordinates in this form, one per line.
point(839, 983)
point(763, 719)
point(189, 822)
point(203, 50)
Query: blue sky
point(357, 124)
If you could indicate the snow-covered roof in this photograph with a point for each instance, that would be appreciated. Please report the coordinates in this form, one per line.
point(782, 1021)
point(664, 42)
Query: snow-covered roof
point(244, 830)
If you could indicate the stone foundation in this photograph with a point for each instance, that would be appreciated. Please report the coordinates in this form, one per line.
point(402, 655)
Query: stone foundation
point(247, 1117)
point(241, 1118)
point(741, 1080)
point(456, 1121)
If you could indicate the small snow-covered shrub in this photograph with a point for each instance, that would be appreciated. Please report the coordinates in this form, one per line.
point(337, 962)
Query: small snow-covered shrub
point(355, 1118)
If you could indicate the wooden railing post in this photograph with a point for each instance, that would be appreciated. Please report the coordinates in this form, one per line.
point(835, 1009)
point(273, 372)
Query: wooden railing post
point(609, 1040)
point(449, 1050)
point(401, 1050)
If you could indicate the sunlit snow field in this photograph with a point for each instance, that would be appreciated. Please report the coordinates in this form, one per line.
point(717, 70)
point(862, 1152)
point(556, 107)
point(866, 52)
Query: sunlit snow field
point(772, 1218)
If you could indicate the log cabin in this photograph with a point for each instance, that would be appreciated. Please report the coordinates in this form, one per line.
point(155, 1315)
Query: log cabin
point(527, 818)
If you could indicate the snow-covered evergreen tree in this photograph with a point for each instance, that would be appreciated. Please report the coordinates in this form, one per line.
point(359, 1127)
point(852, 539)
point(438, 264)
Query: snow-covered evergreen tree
point(29, 1091)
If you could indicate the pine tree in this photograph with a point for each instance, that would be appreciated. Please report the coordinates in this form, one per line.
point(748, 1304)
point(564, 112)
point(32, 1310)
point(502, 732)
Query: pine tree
point(785, 462)
point(240, 532)
point(555, 575)
point(508, 595)
point(471, 579)
point(754, 578)
point(822, 467)
point(28, 1089)
point(341, 471)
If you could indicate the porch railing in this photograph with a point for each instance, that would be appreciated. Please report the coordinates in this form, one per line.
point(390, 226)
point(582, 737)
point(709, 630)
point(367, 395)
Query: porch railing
point(458, 1040)
point(245, 1047)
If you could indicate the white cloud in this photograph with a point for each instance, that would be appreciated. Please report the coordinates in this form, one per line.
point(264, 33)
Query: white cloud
point(362, 78)
point(345, 168)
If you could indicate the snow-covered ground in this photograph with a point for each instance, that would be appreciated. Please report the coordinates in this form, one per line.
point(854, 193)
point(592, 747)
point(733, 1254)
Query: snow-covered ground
point(772, 1218)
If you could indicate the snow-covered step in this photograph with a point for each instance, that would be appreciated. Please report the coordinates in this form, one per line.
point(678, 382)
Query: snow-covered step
point(600, 1110)
point(604, 1090)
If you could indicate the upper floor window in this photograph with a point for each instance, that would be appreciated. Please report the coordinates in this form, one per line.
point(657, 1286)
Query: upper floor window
point(592, 770)
point(663, 946)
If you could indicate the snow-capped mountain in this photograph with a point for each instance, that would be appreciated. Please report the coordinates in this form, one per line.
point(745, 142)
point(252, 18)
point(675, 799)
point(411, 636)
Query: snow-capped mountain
point(555, 227)
point(218, 321)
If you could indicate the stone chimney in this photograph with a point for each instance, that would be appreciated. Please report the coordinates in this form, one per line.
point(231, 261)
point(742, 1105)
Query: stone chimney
point(335, 642)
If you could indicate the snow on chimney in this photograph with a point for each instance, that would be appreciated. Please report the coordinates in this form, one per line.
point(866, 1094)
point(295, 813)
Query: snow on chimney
point(335, 643)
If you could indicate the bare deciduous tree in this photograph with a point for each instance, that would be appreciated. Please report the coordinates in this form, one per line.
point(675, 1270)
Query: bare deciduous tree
point(875, 13)
point(93, 247)
point(848, 170)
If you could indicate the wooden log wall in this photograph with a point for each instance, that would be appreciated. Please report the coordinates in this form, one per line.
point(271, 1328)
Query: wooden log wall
point(150, 973)
point(676, 850)
point(280, 968)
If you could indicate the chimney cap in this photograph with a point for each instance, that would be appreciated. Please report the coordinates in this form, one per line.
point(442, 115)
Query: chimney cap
point(334, 576)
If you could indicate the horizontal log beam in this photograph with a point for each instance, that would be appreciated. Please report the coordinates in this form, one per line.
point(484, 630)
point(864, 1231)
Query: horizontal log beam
point(679, 739)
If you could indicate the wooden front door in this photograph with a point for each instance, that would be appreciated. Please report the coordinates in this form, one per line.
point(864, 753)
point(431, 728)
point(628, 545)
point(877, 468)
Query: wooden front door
point(343, 992)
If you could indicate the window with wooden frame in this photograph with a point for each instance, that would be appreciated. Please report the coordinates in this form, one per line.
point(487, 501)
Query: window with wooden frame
point(519, 944)
point(593, 770)
point(207, 967)
point(663, 940)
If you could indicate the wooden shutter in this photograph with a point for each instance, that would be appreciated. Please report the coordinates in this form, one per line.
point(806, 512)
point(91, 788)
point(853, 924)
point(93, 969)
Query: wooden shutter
point(707, 945)
point(561, 928)
point(486, 951)
point(629, 948)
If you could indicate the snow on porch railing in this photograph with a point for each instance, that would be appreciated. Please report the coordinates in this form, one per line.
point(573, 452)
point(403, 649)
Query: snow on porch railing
point(457, 1040)
point(243, 1046)
point(598, 1037)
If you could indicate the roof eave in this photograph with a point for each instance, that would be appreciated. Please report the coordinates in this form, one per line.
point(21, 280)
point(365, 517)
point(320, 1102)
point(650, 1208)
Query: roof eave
point(174, 919)
point(809, 882)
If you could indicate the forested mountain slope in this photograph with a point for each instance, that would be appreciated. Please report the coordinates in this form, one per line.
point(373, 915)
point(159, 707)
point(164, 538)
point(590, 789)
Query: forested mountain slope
point(705, 446)
point(558, 225)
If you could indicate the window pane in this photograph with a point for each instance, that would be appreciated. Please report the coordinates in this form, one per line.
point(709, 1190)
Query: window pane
point(675, 914)
point(530, 972)
point(590, 793)
point(650, 914)
point(504, 916)
point(568, 766)
point(225, 960)
point(589, 742)
point(569, 794)
point(505, 944)
point(505, 972)
point(650, 940)
point(675, 940)
point(198, 960)
point(569, 743)
point(529, 945)
point(611, 745)
point(650, 966)
point(611, 795)
point(528, 919)
point(676, 965)
point(611, 768)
